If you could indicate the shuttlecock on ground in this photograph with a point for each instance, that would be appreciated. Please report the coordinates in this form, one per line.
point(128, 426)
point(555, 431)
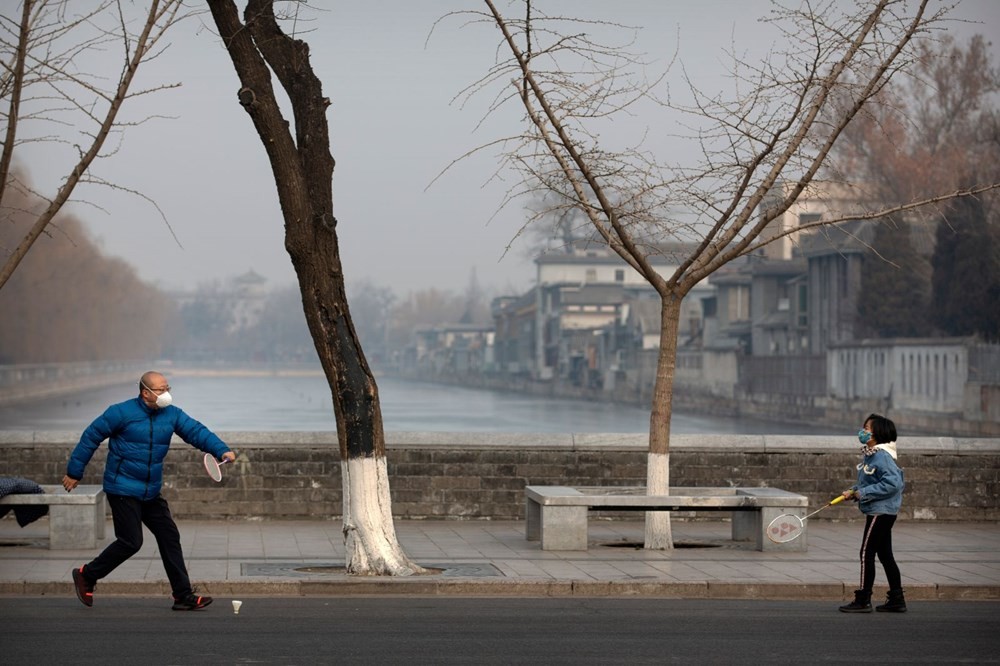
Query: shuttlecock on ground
point(236, 606)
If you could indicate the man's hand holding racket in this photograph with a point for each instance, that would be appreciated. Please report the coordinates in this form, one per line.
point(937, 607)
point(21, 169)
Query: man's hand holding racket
point(212, 465)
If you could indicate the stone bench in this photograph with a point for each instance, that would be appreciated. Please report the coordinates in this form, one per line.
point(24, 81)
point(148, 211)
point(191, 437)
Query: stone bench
point(76, 519)
point(557, 515)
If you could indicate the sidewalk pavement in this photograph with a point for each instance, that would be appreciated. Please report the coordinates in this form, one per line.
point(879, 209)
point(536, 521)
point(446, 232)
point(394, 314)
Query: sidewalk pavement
point(939, 560)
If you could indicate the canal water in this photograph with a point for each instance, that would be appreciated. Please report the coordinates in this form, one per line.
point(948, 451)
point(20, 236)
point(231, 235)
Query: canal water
point(302, 403)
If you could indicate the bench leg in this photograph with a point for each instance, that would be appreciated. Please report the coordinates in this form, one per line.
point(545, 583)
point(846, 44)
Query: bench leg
point(74, 526)
point(746, 525)
point(532, 520)
point(101, 517)
point(563, 527)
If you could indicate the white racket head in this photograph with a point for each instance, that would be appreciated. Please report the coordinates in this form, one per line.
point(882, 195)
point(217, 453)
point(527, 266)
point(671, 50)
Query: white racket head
point(212, 467)
point(785, 528)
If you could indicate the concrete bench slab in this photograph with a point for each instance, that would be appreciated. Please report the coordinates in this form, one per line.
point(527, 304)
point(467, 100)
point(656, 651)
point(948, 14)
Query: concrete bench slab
point(557, 515)
point(76, 520)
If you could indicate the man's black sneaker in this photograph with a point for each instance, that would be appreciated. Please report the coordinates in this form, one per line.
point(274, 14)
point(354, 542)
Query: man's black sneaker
point(84, 588)
point(191, 602)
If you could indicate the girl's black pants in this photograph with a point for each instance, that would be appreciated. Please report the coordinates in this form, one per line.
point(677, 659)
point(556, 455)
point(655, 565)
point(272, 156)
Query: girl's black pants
point(877, 540)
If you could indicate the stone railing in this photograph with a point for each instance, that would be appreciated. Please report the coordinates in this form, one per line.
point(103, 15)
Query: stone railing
point(45, 380)
point(481, 476)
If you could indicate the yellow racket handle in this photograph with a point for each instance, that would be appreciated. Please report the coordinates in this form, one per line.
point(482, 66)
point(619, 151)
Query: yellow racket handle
point(838, 500)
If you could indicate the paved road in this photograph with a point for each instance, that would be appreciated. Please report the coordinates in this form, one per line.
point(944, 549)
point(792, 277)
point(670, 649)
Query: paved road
point(132, 630)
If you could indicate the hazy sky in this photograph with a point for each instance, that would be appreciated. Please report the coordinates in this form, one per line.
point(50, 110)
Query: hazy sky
point(394, 127)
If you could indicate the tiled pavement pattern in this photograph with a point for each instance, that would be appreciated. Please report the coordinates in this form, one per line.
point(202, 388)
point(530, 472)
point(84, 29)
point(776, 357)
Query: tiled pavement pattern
point(939, 560)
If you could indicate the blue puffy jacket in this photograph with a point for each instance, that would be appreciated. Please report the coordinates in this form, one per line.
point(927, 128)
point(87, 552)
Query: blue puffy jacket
point(138, 441)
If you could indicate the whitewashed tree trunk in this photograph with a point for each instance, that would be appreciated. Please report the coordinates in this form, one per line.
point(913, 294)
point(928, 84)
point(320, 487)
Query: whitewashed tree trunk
point(658, 532)
point(659, 535)
point(369, 533)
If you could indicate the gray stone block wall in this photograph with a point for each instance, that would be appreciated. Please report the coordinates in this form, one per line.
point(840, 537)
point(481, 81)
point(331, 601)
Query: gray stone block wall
point(455, 476)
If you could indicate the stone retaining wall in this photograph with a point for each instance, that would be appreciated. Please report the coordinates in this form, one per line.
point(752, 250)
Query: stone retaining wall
point(23, 383)
point(458, 476)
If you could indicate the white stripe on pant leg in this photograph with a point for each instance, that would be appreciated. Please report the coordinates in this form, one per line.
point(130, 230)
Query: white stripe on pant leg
point(864, 550)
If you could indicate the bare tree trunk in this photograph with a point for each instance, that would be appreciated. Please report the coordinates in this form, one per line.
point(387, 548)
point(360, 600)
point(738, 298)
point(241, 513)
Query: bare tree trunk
point(658, 532)
point(17, 86)
point(303, 172)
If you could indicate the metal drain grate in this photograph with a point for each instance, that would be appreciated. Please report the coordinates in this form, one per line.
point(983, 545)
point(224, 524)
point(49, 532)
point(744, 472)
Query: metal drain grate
point(307, 569)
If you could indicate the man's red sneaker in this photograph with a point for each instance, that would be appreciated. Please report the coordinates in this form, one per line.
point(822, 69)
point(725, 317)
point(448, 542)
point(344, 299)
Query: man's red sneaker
point(84, 588)
point(191, 602)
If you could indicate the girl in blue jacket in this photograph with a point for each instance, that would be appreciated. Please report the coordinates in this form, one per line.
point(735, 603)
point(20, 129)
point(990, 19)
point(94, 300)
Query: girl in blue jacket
point(879, 492)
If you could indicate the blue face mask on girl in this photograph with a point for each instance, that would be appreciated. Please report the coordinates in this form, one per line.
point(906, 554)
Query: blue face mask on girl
point(864, 436)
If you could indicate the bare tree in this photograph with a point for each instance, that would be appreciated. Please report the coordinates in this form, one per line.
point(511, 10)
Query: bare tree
point(779, 128)
point(45, 89)
point(303, 171)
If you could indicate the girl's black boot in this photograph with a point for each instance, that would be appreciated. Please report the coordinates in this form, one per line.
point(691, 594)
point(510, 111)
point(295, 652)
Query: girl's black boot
point(894, 603)
point(862, 603)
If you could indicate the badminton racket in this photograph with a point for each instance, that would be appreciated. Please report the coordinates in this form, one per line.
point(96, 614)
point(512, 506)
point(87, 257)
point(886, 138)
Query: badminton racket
point(212, 466)
point(787, 527)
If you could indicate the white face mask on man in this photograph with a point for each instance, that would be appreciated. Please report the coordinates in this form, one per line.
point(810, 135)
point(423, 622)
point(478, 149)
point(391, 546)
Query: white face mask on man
point(162, 399)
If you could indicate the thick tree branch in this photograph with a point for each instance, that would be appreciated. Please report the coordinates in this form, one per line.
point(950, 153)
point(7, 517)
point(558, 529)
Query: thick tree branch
point(15, 98)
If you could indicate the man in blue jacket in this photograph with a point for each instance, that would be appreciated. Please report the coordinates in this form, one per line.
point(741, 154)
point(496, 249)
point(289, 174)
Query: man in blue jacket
point(139, 433)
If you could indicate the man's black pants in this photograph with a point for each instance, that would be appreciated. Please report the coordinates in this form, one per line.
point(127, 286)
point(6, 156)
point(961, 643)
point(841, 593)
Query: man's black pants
point(129, 515)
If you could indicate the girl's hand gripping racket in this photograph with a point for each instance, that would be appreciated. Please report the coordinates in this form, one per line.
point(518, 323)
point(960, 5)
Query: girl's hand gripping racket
point(212, 466)
point(787, 527)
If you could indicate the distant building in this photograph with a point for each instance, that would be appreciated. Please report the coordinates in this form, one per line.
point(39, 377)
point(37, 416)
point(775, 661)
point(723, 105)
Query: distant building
point(760, 307)
point(821, 200)
point(581, 316)
point(452, 349)
point(247, 294)
point(514, 324)
point(728, 324)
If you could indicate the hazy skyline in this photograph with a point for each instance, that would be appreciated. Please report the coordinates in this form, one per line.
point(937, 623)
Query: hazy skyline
point(393, 128)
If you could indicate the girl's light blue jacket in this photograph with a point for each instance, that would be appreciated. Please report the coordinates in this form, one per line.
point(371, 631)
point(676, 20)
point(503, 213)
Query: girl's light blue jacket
point(880, 481)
